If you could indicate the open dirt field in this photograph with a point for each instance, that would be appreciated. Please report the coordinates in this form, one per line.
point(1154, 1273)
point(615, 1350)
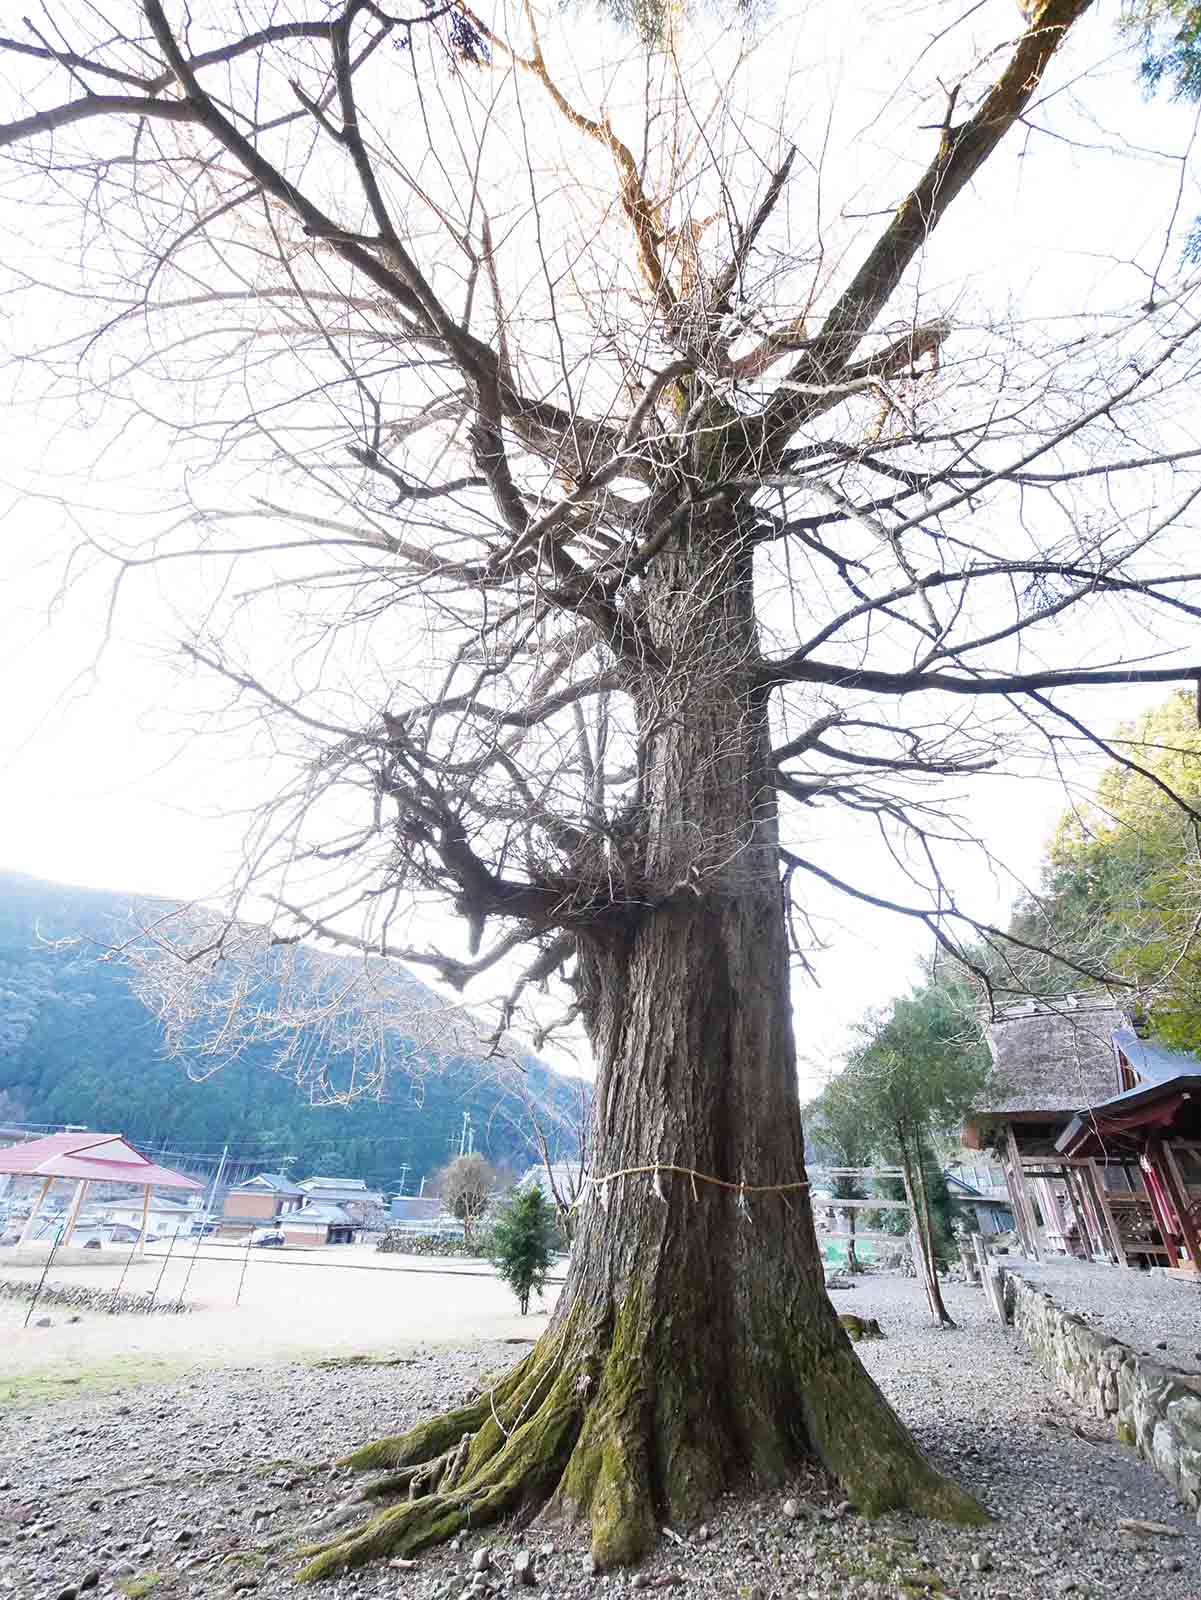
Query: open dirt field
point(294, 1305)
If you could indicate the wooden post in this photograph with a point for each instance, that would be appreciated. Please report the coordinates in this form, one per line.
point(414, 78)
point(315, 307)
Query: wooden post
point(980, 1251)
point(1052, 1215)
point(1106, 1210)
point(1153, 1177)
point(1069, 1178)
point(141, 1244)
point(992, 1276)
point(1104, 1239)
point(1021, 1194)
point(73, 1213)
point(27, 1230)
point(1015, 1203)
point(1178, 1190)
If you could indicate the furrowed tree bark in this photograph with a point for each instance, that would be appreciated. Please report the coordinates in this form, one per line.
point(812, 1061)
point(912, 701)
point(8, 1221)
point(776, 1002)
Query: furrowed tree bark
point(694, 1348)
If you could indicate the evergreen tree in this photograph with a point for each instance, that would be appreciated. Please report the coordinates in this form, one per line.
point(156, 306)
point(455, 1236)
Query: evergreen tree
point(1169, 36)
point(1121, 883)
point(522, 1242)
point(918, 1070)
point(835, 1123)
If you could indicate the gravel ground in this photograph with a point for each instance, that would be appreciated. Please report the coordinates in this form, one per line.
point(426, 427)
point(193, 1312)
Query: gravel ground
point(1158, 1317)
point(191, 1481)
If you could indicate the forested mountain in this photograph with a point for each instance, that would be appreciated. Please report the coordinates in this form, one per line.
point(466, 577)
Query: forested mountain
point(77, 1045)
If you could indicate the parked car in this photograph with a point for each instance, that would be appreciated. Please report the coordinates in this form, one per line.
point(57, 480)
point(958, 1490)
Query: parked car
point(269, 1238)
point(122, 1233)
point(201, 1230)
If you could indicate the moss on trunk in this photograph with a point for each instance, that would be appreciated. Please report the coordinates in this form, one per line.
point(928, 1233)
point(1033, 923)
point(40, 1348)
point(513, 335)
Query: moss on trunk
point(586, 1431)
point(694, 1349)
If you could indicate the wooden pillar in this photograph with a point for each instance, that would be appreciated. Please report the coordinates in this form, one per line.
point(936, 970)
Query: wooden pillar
point(1178, 1189)
point(1101, 1197)
point(1021, 1195)
point(992, 1276)
point(1049, 1205)
point(1015, 1205)
point(1096, 1234)
point(27, 1230)
point(1078, 1215)
point(1156, 1196)
point(73, 1213)
point(141, 1244)
point(1102, 1216)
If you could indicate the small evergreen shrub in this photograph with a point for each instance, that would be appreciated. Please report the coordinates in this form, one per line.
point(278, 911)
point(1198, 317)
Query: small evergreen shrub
point(523, 1242)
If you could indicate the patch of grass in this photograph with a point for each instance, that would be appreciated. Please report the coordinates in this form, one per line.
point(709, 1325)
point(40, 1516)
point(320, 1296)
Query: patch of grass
point(134, 1588)
point(334, 1362)
point(18, 1389)
point(883, 1561)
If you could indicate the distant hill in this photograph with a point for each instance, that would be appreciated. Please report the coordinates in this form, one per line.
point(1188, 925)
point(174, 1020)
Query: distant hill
point(77, 1045)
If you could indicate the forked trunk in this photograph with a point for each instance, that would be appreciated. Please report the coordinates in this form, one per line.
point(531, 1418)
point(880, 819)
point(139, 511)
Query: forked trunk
point(693, 1348)
point(922, 1233)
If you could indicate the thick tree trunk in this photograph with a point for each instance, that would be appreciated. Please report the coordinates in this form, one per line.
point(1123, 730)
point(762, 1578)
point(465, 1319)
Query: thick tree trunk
point(693, 1348)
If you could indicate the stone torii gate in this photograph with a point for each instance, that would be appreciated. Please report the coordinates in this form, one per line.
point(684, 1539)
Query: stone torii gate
point(87, 1157)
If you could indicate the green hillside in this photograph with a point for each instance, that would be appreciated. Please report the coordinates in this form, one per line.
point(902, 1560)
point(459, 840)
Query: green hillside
point(78, 1046)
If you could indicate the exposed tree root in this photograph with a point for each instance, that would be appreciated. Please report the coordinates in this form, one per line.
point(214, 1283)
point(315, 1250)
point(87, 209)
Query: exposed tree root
point(857, 1436)
point(503, 1454)
point(614, 1442)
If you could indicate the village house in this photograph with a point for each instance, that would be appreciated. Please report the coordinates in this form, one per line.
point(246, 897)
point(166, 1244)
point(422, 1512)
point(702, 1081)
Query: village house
point(260, 1201)
point(1098, 1131)
point(317, 1211)
point(361, 1203)
point(318, 1222)
point(164, 1216)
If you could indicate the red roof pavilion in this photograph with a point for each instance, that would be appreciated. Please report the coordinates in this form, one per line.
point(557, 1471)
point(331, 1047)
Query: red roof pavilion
point(87, 1158)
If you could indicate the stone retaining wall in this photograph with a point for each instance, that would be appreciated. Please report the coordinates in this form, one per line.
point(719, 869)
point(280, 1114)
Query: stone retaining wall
point(75, 1297)
point(1156, 1411)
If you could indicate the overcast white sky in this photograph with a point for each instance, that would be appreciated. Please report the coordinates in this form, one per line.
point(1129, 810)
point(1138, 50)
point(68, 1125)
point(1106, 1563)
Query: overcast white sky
point(104, 777)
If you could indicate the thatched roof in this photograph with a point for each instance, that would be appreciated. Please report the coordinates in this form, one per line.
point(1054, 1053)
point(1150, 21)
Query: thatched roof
point(1052, 1055)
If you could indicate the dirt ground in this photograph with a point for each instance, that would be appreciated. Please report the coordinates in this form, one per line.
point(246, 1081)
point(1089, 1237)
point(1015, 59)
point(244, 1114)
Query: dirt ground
point(202, 1485)
point(294, 1304)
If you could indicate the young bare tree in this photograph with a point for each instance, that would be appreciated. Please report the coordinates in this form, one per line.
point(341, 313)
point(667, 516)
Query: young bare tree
point(606, 499)
point(465, 1187)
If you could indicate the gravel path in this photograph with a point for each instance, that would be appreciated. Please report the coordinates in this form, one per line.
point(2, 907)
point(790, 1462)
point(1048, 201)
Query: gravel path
point(1158, 1317)
point(189, 1481)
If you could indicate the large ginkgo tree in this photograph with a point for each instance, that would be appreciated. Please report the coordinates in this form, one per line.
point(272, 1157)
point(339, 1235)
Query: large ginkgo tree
point(642, 481)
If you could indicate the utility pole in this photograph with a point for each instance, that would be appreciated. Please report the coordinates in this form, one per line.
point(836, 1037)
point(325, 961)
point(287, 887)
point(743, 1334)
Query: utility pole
point(212, 1199)
point(404, 1172)
point(467, 1136)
